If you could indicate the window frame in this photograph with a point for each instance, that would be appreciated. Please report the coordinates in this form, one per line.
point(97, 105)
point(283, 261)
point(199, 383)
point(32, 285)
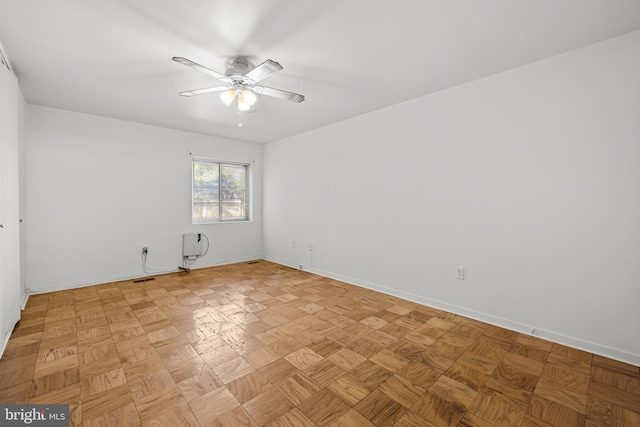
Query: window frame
point(247, 193)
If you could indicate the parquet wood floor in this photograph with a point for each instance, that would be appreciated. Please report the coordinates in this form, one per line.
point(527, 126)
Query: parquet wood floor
point(259, 344)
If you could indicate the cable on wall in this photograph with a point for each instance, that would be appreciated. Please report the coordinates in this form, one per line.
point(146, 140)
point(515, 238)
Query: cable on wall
point(148, 270)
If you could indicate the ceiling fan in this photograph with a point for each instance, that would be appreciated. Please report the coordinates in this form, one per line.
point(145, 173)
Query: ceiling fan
point(240, 82)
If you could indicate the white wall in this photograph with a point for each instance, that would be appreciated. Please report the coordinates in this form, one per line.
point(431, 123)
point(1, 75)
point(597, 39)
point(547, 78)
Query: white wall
point(529, 179)
point(99, 189)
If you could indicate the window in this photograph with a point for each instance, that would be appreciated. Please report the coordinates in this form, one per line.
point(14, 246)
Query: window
point(220, 192)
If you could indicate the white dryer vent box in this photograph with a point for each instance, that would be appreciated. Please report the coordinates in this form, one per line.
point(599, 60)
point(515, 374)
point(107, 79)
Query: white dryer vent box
point(191, 244)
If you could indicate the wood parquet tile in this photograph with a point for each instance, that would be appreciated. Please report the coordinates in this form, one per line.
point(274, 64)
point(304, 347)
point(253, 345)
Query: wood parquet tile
point(264, 345)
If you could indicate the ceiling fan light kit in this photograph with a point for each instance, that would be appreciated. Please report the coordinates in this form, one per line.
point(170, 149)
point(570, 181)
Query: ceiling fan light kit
point(228, 96)
point(240, 83)
point(246, 98)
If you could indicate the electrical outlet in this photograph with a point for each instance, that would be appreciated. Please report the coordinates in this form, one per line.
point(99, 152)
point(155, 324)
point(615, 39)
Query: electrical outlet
point(460, 273)
point(145, 250)
point(310, 247)
point(293, 243)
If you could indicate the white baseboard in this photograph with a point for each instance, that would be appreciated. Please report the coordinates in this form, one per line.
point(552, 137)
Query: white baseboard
point(5, 341)
point(56, 287)
point(25, 299)
point(131, 276)
point(287, 264)
point(552, 336)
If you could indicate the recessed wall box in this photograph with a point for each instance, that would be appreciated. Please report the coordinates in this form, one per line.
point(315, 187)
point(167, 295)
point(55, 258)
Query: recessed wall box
point(191, 244)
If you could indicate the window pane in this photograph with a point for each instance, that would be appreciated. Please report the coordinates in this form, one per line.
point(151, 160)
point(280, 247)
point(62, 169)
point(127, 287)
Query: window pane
point(233, 191)
point(206, 191)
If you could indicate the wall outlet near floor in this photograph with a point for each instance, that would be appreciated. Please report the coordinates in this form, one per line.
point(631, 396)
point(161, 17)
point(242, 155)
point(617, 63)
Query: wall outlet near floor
point(460, 273)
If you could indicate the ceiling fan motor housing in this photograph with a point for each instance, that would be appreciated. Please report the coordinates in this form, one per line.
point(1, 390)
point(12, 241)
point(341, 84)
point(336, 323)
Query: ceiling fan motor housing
point(239, 68)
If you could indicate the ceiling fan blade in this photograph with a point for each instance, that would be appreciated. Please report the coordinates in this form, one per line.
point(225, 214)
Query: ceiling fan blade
point(205, 90)
point(195, 66)
point(277, 93)
point(263, 70)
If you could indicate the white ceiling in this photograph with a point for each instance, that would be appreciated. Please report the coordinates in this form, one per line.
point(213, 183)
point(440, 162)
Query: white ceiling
point(113, 57)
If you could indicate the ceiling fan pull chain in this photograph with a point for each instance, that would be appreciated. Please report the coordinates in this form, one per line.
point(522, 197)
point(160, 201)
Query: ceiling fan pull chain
point(239, 118)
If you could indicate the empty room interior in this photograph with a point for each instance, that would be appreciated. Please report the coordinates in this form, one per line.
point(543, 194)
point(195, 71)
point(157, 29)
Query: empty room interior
point(335, 213)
